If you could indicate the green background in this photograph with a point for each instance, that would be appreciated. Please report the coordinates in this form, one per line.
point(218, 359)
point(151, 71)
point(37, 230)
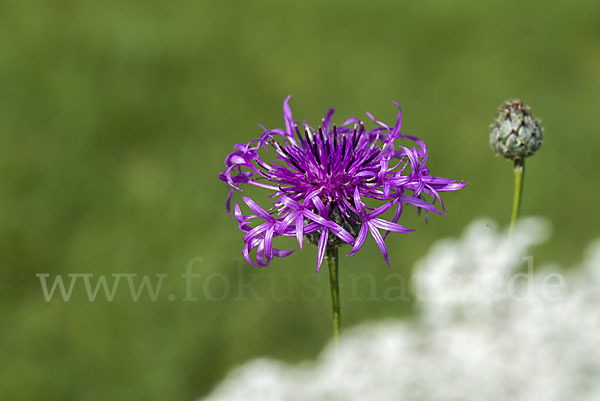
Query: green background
point(115, 118)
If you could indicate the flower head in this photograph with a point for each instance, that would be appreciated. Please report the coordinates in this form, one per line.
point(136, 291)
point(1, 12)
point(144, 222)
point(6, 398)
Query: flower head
point(515, 133)
point(320, 181)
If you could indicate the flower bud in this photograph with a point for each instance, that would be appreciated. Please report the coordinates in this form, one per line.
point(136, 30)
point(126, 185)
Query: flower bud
point(515, 133)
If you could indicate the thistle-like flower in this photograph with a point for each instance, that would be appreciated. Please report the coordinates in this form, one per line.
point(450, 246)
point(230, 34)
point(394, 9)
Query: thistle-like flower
point(321, 180)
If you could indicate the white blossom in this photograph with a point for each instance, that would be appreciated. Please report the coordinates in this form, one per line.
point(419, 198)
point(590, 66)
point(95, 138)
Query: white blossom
point(487, 328)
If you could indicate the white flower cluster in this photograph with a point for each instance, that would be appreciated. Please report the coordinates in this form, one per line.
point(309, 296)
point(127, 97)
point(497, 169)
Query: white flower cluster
point(489, 328)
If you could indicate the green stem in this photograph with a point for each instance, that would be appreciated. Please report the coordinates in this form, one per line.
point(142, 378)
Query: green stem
point(332, 260)
point(519, 176)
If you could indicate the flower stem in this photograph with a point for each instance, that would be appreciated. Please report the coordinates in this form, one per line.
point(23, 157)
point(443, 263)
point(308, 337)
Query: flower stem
point(332, 261)
point(519, 176)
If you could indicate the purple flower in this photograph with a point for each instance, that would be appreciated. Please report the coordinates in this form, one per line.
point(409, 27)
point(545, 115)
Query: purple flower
point(320, 179)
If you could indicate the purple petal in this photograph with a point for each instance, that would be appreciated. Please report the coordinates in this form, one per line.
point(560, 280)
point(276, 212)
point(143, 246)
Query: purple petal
point(352, 120)
point(397, 215)
point(269, 243)
point(380, 243)
point(260, 254)
point(281, 254)
point(256, 231)
point(327, 120)
point(396, 130)
point(257, 209)
point(246, 254)
point(389, 226)
point(283, 225)
point(380, 210)
point(418, 202)
point(360, 207)
point(360, 239)
point(319, 205)
point(228, 202)
point(287, 115)
point(340, 232)
point(322, 245)
point(292, 204)
point(377, 122)
point(316, 218)
point(300, 230)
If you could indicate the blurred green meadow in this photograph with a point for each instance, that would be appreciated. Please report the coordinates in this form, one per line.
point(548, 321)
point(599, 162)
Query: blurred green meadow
point(115, 118)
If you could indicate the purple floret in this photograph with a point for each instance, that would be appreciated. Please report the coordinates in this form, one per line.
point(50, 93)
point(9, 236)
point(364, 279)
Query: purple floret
point(320, 180)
